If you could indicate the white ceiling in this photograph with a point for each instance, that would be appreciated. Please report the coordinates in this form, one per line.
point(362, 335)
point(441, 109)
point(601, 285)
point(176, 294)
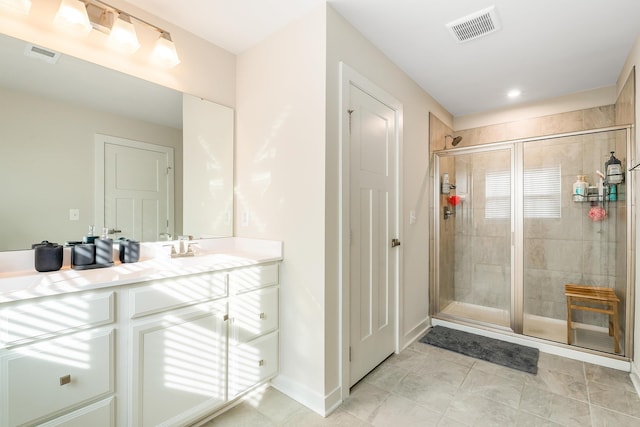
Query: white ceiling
point(546, 48)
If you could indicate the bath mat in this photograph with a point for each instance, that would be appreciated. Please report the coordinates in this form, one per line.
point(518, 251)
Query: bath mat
point(495, 351)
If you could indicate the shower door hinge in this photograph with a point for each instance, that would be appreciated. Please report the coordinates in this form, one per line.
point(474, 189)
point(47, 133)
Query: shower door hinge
point(395, 242)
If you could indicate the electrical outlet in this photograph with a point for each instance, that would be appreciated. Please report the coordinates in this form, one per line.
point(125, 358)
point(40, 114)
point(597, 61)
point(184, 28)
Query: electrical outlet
point(74, 214)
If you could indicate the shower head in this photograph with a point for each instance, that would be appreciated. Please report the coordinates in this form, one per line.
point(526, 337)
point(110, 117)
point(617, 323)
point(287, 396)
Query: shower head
point(455, 140)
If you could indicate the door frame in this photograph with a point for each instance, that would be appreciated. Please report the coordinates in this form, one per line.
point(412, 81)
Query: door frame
point(348, 77)
point(100, 141)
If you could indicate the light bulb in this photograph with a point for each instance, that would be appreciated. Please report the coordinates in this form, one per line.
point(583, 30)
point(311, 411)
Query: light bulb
point(72, 16)
point(164, 53)
point(123, 35)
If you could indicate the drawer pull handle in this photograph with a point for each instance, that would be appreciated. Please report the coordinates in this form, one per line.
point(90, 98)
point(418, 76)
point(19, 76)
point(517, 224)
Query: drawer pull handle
point(66, 379)
point(262, 315)
point(261, 362)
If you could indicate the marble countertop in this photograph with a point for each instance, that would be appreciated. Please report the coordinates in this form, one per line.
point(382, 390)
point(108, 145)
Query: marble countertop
point(225, 254)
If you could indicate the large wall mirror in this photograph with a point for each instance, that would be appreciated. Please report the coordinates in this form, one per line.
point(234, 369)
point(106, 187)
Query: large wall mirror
point(51, 112)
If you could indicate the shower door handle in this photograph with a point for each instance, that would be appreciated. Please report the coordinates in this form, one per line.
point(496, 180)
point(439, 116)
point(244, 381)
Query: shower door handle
point(395, 242)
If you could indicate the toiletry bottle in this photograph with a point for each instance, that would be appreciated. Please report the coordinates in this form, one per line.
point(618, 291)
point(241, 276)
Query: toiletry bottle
point(613, 169)
point(446, 187)
point(580, 189)
point(90, 237)
point(613, 193)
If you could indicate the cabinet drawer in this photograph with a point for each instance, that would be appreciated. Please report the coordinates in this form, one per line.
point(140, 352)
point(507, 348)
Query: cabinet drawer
point(259, 276)
point(42, 379)
point(100, 414)
point(253, 362)
point(176, 292)
point(39, 318)
point(254, 314)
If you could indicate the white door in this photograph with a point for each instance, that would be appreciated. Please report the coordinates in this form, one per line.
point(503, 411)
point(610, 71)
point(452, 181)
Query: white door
point(138, 188)
point(373, 207)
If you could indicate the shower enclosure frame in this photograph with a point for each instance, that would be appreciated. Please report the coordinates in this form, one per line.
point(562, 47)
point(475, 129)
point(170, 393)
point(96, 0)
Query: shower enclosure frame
point(516, 314)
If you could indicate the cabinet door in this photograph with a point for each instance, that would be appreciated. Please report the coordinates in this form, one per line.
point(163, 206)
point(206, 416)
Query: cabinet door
point(46, 378)
point(179, 365)
point(252, 363)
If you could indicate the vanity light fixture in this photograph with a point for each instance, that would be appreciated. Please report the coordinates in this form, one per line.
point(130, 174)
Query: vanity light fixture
point(83, 15)
point(20, 6)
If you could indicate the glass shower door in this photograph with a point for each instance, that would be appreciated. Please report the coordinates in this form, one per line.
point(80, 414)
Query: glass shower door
point(573, 240)
point(475, 228)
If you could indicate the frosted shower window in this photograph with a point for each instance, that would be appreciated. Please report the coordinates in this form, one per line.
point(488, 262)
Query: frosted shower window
point(542, 196)
point(542, 192)
point(498, 195)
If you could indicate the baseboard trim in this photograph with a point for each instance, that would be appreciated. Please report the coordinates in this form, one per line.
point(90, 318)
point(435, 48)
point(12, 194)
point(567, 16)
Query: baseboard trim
point(415, 333)
point(322, 405)
point(635, 379)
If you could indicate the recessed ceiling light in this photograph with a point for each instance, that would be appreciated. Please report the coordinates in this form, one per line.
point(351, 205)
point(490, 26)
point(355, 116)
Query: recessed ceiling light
point(514, 93)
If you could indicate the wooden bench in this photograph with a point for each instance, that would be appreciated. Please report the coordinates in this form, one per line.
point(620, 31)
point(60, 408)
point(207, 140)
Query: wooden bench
point(600, 300)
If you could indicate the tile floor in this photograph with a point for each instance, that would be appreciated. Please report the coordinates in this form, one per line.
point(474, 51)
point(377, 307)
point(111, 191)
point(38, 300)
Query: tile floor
point(427, 386)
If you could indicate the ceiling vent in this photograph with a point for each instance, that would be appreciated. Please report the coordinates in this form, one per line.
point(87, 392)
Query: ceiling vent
point(474, 25)
point(46, 55)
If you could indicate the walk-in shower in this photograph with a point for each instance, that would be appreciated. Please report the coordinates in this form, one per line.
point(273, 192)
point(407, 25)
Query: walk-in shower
point(510, 234)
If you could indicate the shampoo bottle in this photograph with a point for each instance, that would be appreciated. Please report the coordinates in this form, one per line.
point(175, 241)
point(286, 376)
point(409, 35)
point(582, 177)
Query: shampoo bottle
point(580, 189)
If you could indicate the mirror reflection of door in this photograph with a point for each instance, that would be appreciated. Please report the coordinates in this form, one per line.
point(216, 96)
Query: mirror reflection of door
point(137, 188)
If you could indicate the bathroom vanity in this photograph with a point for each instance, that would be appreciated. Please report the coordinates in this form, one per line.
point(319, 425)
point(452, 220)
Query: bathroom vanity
point(164, 341)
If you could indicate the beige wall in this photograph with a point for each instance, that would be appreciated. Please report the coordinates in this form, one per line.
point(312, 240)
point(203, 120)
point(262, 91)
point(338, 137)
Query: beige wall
point(280, 188)
point(47, 165)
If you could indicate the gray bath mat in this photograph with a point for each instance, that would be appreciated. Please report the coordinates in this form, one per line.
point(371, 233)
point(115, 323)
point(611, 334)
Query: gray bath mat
point(500, 352)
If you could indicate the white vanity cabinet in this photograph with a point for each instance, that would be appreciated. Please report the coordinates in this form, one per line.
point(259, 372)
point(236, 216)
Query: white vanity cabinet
point(170, 348)
point(253, 337)
point(57, 360)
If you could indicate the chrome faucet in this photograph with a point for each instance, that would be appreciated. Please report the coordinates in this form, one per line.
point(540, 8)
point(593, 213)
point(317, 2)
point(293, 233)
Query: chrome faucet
point(185, 248)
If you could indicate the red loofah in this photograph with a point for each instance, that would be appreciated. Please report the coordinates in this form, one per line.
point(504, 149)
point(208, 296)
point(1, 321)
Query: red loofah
point(597, 213)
